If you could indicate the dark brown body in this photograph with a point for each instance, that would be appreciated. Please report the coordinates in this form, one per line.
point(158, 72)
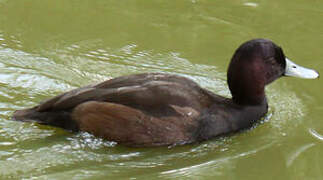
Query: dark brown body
point(156, 109)
point(150, 109)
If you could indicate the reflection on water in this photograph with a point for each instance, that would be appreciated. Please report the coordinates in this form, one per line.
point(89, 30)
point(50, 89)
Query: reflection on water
point(316, 134)
point(251, 4)
point(61, 45)
point(297, 153)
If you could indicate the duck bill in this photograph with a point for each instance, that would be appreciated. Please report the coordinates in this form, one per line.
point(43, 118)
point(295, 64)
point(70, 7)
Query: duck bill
point(295, 70)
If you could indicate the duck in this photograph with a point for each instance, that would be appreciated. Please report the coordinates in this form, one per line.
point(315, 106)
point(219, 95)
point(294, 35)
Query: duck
point(160, 109)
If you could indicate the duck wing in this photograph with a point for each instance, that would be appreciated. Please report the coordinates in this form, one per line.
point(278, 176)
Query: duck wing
point(133, 127)
point(150, 92)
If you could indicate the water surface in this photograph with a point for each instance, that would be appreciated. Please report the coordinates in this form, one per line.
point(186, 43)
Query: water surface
point(48, 47)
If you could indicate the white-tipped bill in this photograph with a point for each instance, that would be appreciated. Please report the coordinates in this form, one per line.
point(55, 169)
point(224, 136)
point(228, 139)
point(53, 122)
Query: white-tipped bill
point(295, 70)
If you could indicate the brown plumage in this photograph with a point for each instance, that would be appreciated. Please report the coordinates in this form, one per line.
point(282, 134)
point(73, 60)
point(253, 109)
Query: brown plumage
point(154, 109)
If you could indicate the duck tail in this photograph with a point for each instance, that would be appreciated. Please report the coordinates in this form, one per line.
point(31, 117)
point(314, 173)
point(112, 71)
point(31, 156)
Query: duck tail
point(60, 119)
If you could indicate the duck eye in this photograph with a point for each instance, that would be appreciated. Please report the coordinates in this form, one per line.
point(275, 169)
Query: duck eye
point(270, 60)
point(293, 66)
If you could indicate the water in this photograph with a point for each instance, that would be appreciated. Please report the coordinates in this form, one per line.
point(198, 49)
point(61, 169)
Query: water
point(48, 47)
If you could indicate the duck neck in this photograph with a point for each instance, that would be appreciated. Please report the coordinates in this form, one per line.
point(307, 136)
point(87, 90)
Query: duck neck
point(252, 95)
point(247, 82)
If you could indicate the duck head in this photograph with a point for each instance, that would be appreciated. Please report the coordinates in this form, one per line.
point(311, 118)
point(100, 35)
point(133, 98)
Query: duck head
point(257, 63)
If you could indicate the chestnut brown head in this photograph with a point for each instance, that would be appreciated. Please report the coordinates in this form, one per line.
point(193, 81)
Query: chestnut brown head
point(257, 63)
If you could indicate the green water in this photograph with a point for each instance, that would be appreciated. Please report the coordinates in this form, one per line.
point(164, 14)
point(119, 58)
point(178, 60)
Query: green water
point(50, 46)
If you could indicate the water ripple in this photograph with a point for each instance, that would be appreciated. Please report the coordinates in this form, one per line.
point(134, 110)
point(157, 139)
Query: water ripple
point(316, 134)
